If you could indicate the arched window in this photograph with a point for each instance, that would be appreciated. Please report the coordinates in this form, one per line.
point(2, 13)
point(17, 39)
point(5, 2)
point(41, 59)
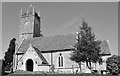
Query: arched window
point(60, 60)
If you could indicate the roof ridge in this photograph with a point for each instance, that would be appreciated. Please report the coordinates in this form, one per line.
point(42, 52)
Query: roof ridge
point(49, 36)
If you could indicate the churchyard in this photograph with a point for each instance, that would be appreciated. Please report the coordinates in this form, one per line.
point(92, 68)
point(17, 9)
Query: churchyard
point(27, 73)
point(76, 53)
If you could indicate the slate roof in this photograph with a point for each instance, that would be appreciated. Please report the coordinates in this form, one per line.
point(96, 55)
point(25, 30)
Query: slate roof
point(49, 43)
point(57, 43)
point(44, 61)
point(105, 48)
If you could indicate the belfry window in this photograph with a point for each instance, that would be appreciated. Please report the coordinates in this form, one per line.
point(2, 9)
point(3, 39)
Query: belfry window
point(60, 60)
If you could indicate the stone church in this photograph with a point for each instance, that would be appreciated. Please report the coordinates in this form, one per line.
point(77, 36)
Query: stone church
point(35, 52)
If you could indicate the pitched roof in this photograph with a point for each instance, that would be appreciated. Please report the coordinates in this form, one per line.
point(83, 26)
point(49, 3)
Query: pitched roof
point(49, 43)
point(105, 48)
point(44, 61)
point(57, 42)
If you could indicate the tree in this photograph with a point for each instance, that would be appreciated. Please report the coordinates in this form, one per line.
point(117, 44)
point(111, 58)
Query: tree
point(3, 66)
point(9, 54)
point(113, 64)
point(87, 47)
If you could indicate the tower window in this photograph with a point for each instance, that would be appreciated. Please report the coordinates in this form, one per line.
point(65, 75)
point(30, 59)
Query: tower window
point(60, 60)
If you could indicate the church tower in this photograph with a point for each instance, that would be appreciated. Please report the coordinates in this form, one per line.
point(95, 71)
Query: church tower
point(29, 24)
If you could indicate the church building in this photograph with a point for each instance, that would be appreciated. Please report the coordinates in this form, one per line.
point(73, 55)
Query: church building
point(35, 52)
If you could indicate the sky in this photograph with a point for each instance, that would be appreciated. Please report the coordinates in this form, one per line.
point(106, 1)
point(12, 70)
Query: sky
point(64, 18)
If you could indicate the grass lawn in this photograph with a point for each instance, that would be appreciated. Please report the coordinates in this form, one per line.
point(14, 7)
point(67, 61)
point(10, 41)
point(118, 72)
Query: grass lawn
point(58, 75)
point(27, 73)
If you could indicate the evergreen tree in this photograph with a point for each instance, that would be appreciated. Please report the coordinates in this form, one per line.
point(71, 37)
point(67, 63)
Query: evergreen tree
point(87, 47)
point(9, 53)
point(3, 66)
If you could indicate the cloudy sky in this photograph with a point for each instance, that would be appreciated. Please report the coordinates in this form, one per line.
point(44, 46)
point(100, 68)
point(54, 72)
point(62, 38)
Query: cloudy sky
point(64, 18)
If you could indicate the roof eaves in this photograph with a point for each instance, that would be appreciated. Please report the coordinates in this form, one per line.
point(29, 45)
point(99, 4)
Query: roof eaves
point(41, 56)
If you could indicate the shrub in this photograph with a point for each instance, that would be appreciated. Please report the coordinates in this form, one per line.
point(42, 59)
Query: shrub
point(113, 64)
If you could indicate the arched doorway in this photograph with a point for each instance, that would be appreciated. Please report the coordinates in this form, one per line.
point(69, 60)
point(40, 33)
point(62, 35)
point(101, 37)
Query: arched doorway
point(29, 65)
